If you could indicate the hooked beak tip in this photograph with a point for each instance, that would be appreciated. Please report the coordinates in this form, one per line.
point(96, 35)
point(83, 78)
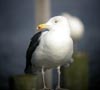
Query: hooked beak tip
point(41, 27)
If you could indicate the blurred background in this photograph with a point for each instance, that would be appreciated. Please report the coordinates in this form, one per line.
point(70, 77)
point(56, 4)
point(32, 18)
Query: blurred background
point(17, 26)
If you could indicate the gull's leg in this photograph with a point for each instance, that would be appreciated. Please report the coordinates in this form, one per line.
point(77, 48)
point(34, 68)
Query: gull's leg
point(43, 77)
point(58, 70)
point(58, 85)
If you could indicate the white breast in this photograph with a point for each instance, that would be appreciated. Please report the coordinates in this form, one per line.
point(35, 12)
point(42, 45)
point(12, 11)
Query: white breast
point(54, 50)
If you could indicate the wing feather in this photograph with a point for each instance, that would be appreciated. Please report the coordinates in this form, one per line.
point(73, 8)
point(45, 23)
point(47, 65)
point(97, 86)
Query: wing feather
point(32, 46)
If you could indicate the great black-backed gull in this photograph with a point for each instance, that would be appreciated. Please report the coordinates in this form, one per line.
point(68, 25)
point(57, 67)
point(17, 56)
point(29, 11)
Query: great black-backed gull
point(51, 47)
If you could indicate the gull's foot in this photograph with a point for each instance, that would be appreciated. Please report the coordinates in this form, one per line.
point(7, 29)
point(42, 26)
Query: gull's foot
point(46, 89)
point(61, 89)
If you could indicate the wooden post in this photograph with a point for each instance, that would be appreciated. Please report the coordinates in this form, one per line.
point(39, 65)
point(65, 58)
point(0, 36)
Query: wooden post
point(76, 76)
point(23, 82)
point(42, 11)
point(42, 14)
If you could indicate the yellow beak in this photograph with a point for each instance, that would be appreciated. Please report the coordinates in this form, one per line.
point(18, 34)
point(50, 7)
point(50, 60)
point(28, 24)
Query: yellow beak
point(41, 27)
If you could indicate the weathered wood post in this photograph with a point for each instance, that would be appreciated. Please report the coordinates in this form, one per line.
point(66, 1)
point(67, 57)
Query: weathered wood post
point(76, 76)
point(23, 82)
point(42, 11)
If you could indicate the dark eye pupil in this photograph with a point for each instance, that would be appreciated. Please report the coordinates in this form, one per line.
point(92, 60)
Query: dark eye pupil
point(56, 21)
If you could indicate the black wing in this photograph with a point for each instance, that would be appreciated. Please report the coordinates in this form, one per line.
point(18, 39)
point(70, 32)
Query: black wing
point(32, 46)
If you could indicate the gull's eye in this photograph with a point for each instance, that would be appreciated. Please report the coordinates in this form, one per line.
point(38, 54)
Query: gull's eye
point(56, 21)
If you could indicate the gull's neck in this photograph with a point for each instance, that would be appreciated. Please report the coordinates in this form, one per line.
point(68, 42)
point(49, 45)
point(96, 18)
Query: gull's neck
point(65, 30)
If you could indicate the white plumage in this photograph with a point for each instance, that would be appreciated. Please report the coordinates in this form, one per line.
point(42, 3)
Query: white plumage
point(55, 47)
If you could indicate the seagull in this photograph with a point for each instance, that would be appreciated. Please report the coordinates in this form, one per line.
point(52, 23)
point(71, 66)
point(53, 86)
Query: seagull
point(76, 26)
point(51, 47)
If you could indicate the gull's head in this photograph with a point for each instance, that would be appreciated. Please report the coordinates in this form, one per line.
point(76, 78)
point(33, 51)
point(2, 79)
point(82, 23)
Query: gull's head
point(56, 22)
